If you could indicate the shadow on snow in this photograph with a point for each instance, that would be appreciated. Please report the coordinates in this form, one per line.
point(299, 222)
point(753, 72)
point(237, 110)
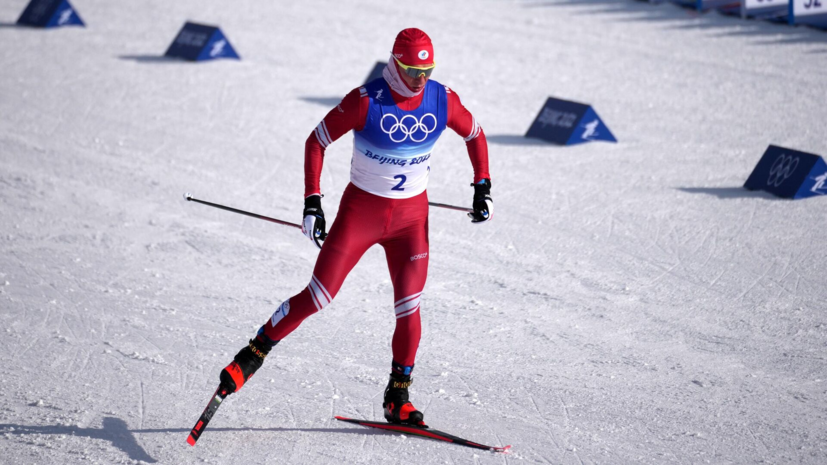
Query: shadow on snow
point(516, 139)
point(730, 192)
point(151, 59)
point(113, 430)
point(686, 17)
point(328, 102)
point(118, 433)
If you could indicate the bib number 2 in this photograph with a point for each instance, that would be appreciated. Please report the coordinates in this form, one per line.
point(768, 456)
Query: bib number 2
point(402, 178)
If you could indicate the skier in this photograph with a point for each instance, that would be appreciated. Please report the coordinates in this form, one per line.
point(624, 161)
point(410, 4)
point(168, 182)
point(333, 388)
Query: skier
point(395, 120)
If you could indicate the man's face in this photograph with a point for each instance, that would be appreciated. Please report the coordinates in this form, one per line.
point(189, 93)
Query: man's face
point(416, 84)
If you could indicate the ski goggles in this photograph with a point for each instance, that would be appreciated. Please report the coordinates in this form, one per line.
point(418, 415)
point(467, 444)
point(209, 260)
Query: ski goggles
point(416, 71)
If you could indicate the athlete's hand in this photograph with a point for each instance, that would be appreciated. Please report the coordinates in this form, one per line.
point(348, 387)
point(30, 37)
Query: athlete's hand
point(483, 205)
point(313, 225)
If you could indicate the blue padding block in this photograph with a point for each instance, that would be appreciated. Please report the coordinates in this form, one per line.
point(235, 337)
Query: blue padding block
point(789, 173)
point(568, 123)
point(376, 72)
point(703, 5)
point(50, 13)
point(199, 42)
point(687, 3)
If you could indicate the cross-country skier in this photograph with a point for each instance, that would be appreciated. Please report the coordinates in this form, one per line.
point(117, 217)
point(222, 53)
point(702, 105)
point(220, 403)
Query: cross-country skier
point(395, 120)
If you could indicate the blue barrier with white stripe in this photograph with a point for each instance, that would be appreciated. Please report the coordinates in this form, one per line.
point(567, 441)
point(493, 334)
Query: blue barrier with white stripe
point(568, 123)
point(49, 13)
point(789, 173)
point(199, 42)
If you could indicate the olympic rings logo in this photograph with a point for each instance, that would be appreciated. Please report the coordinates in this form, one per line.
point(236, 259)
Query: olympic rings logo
point(783, 167)
point(410, 129)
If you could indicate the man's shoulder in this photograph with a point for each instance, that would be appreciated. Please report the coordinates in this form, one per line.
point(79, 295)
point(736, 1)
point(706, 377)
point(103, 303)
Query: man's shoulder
point(372, 89)
point(438, 85)
point(451, 94)
point(434, 82)
point(374, 84)
point(357, 92)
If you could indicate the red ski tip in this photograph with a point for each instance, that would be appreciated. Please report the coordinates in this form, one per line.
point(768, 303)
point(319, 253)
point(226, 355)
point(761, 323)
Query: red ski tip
point(191, 440)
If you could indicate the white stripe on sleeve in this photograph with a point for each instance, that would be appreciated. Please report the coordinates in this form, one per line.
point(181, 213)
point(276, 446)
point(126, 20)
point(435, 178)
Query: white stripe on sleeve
point(475, 131)
point(326, 133)
point(321, 134)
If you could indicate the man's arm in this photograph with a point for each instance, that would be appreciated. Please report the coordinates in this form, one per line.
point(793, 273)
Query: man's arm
point(464, 124)
point(349, 114)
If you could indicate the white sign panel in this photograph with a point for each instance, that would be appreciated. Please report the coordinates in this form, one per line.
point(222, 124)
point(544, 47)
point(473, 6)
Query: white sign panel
point(758, 4)
point(809, 7)
point(765, 8)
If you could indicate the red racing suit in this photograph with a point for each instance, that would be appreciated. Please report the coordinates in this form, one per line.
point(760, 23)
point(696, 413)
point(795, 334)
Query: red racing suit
point(399, 225)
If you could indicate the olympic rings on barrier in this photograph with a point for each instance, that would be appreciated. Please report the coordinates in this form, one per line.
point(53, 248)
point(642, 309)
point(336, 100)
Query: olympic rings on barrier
point(783, 167)
point(408, 131)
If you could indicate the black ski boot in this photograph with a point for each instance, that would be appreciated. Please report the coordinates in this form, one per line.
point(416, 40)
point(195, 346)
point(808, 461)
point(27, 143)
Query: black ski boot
point(246, 362)
point(397, 407)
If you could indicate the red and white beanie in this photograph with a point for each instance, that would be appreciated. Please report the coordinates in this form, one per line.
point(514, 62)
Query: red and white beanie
point(413, 47)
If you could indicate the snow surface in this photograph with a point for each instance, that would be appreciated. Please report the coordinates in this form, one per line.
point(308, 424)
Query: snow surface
point(630, 303)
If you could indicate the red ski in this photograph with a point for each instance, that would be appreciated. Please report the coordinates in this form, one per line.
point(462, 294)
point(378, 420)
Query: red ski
point(423, 431)
point(220, 394)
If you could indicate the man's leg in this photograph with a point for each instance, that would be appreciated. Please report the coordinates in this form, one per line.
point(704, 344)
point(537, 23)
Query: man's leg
point(408, 265)
point(407, 255)
point(357, 227)
point(406, 249)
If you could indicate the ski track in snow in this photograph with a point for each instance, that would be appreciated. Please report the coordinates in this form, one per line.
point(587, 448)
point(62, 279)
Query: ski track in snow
point(630, 303)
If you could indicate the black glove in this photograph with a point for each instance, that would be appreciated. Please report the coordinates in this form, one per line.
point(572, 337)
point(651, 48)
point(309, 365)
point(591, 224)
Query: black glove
point(313, 225)
point(483, 205)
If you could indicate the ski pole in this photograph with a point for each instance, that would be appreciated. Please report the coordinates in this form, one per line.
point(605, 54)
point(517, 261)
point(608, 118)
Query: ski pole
point(190, 198)
point(450, 207)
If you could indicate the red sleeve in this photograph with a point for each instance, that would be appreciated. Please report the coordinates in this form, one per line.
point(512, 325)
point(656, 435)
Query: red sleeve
point(464, 124)
point(349, 114)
